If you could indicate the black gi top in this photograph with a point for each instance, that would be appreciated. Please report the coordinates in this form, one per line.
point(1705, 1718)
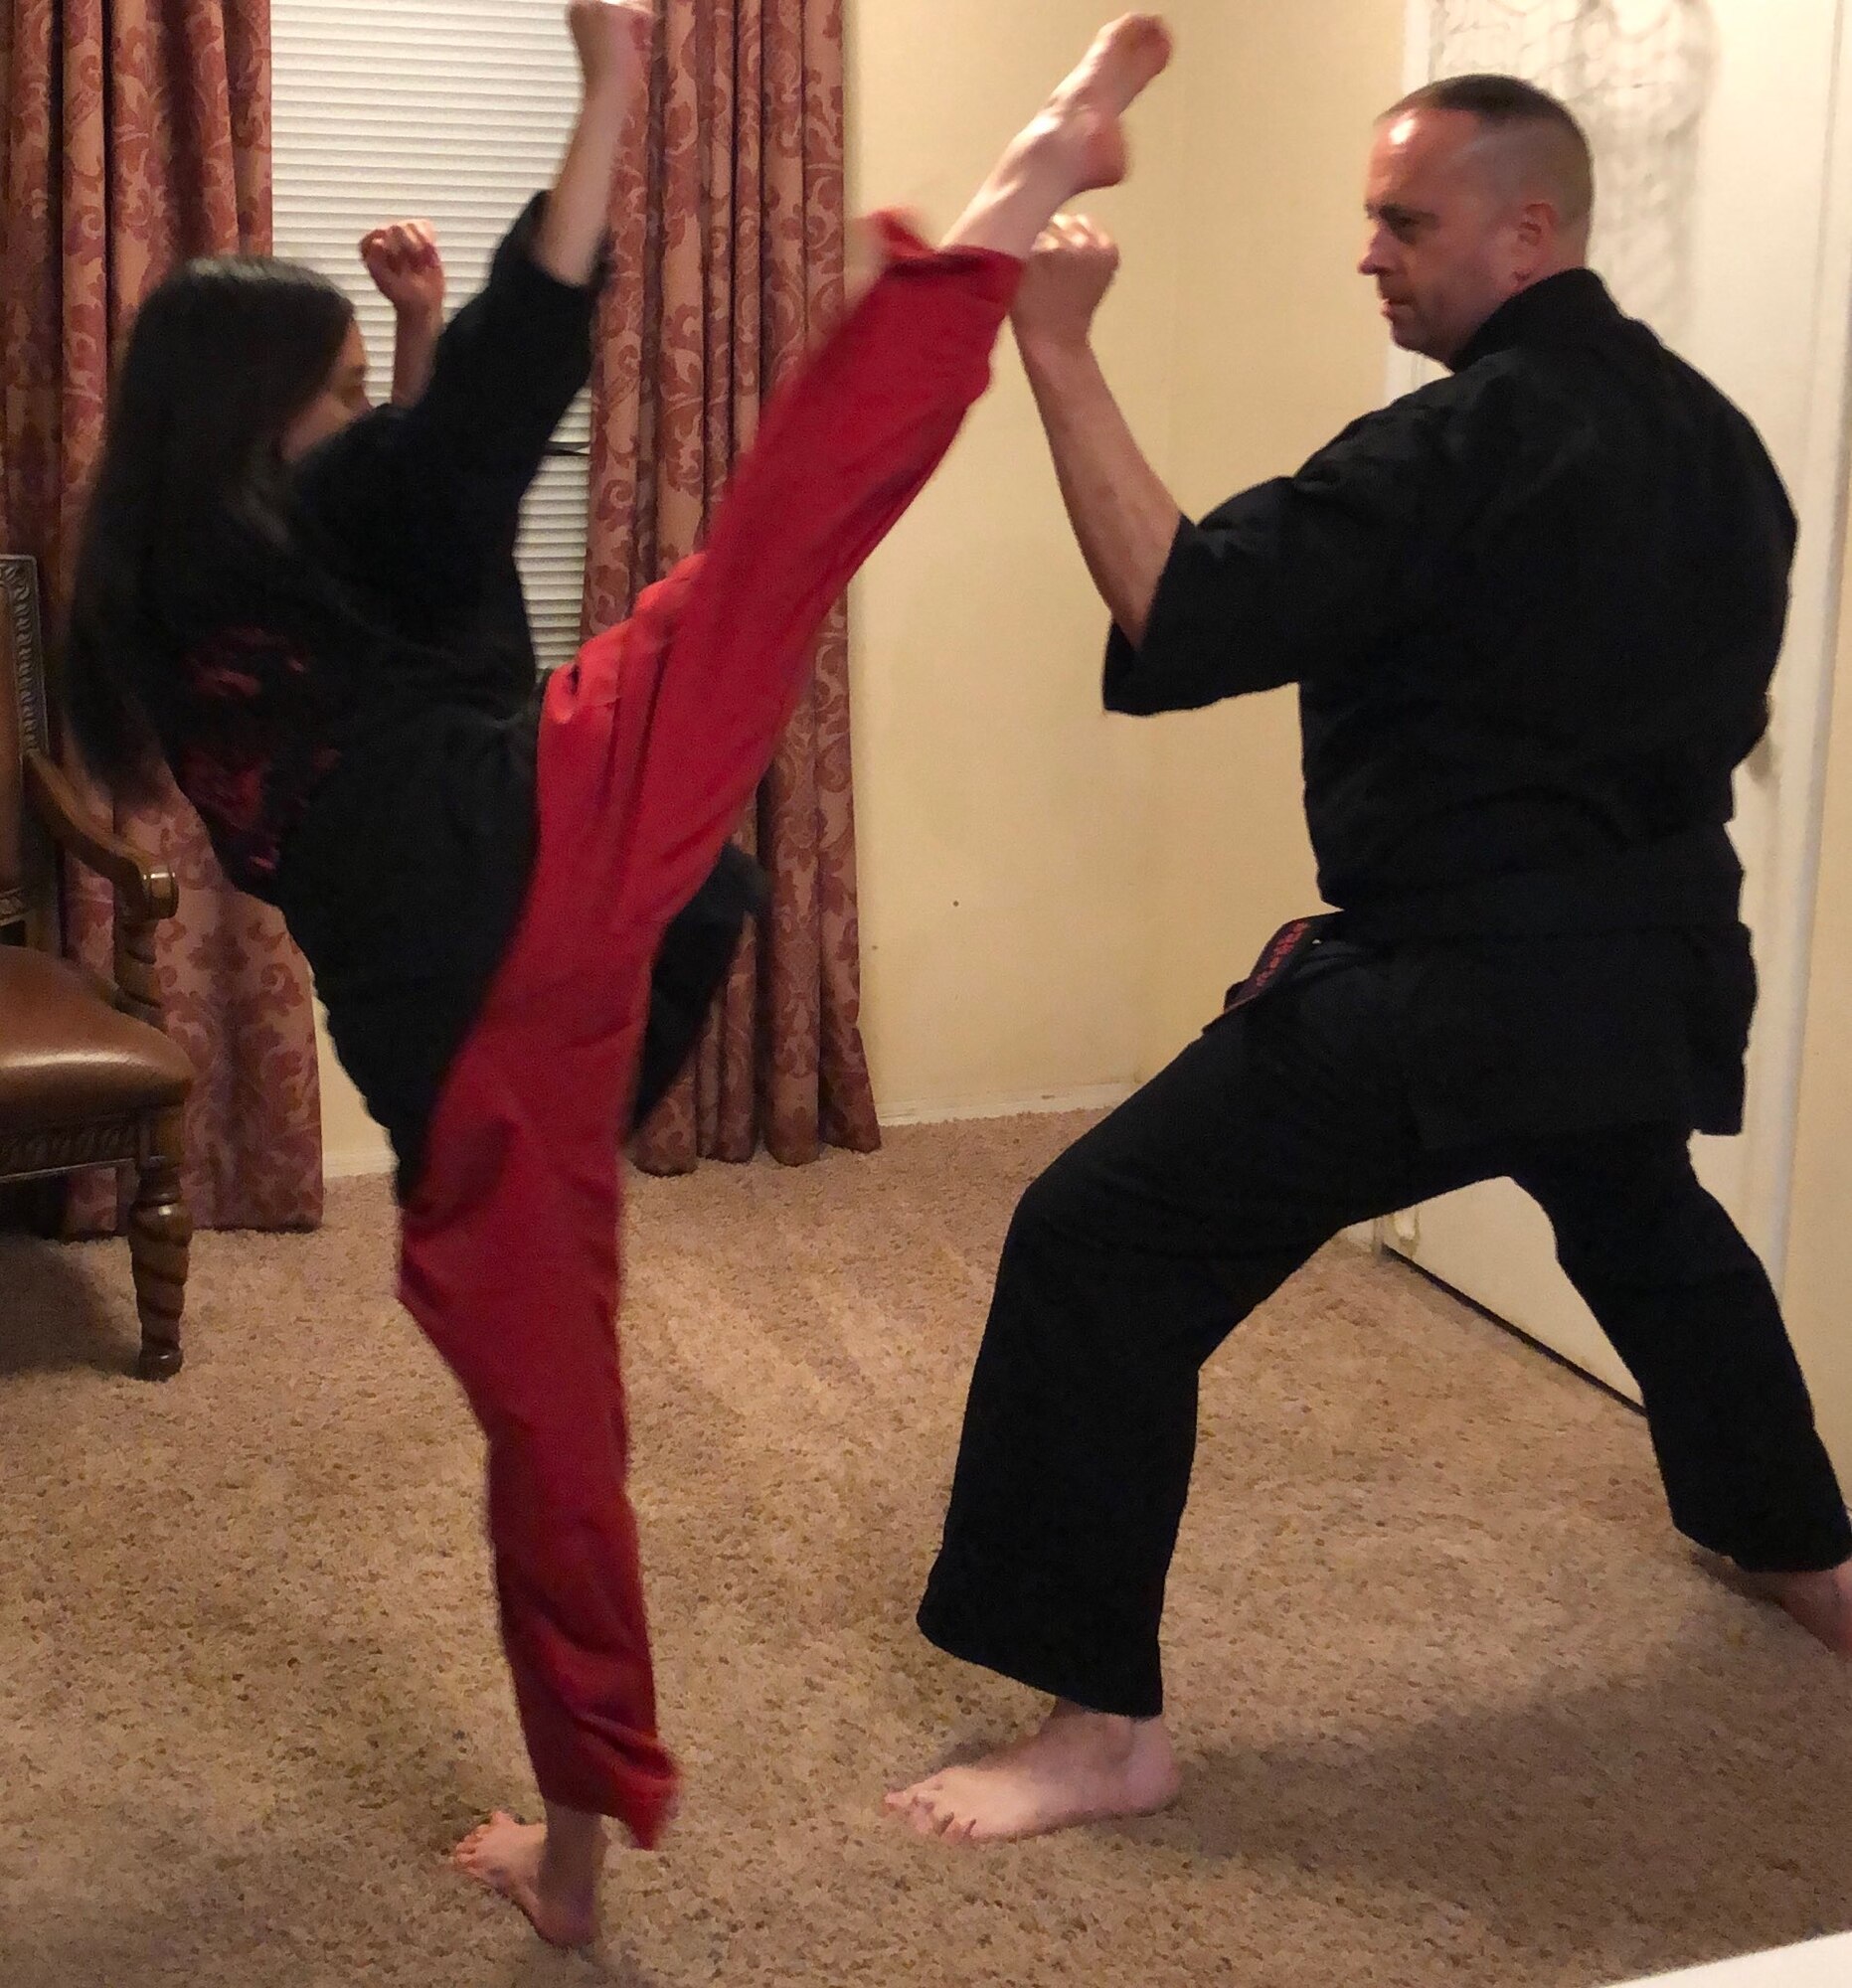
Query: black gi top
point(356, 723)
point(1533, 610)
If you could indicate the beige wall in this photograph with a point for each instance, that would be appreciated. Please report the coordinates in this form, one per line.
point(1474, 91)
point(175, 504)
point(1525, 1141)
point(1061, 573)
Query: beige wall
point(1004, 821)
point(1052, 899)
point(351, 1143)
point(1818, 1288)
point(1280, 345)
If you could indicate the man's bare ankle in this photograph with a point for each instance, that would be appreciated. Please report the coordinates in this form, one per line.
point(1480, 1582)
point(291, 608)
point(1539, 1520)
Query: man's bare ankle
point(1115, 1732)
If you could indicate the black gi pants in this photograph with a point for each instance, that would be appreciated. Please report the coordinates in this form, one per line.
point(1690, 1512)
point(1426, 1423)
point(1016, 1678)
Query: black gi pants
point(1137, 1252)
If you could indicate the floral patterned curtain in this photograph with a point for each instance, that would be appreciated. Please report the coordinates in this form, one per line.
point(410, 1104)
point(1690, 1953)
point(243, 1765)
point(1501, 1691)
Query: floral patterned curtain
point(136, 135)
point(729, 232)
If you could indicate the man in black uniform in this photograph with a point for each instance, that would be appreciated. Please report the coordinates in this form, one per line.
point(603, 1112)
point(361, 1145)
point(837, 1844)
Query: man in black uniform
point(1533, 612)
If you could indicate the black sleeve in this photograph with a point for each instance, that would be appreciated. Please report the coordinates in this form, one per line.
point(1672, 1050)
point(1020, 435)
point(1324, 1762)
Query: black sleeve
point(1289, 579)
point(507, 368)
point(418, 502)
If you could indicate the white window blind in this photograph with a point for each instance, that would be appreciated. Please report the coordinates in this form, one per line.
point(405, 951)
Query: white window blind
point(453, 112)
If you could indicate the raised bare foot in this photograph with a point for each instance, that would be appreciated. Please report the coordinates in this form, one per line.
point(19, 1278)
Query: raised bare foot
point(1075, 143)
point(1126, 60)
point(1820, 1602)
point(510, 1859)
point(1081, 1766)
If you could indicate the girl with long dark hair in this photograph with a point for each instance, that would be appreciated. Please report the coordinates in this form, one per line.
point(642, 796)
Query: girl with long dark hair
point(282, 597)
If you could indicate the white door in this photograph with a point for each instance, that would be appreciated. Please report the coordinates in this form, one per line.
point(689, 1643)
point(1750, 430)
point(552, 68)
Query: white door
point(1726, 178)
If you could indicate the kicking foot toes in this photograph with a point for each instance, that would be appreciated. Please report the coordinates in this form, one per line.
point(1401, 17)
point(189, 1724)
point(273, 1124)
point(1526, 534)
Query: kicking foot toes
point(509, 1857)
point(1123, 62)
point(1081, 1766)
point(1127, 57)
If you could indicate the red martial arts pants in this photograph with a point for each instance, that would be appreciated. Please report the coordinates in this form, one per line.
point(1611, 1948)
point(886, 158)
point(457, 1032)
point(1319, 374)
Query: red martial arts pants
point(650, 746)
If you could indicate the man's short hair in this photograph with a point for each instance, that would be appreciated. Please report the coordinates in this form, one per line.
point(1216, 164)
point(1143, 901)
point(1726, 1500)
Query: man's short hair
point(1537, 132)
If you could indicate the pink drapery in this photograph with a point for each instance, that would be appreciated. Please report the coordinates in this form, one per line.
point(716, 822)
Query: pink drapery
point(136, 135)
point(728, 228)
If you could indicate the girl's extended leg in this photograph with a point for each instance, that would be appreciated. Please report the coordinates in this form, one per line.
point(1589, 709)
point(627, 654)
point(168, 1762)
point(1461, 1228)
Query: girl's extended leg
point(709, 669)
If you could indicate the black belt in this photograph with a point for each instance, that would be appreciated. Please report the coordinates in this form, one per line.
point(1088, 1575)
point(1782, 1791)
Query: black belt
point(1686, 882)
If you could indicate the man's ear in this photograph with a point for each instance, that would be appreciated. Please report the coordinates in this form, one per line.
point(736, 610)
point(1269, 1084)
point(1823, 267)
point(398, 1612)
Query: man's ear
point(1538, 226)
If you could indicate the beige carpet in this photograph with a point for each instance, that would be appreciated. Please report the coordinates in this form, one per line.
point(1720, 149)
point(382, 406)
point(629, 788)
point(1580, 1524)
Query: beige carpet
point(1454, 1705)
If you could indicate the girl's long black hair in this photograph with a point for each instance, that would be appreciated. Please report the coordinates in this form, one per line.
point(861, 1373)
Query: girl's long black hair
point(187, 525)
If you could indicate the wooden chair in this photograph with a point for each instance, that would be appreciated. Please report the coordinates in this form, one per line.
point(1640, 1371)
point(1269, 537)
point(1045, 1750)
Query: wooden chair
point(88, 1078)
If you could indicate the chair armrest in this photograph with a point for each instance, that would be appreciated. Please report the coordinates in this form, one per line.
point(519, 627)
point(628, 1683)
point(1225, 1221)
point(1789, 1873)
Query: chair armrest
point(145, 889)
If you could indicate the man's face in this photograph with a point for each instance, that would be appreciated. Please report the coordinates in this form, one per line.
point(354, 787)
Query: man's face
point(1448, 244)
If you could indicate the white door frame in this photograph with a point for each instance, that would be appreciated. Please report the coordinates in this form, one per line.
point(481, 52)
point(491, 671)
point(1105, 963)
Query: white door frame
point(1797, 748)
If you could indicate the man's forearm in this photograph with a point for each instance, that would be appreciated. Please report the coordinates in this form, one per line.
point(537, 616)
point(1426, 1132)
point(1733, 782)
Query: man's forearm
point(1124, 518)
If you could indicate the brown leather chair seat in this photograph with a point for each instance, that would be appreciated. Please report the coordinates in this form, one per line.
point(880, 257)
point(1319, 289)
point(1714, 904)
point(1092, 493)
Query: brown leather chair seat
point(65, 1053)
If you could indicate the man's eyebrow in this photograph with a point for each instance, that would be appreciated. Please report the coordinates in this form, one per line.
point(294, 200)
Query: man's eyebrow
point(1395, 213)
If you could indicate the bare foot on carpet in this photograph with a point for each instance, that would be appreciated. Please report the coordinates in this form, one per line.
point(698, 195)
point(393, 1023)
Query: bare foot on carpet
point(1820, 1602)
point(1081, 1766)
point(511, 1858)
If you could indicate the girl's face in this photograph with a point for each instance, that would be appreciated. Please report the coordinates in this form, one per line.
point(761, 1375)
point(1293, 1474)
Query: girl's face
point(343, 399)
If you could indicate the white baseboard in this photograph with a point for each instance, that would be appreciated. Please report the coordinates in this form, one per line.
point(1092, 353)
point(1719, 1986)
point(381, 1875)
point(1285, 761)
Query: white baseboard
point(356, 1162)
point(373, 1158)
point(1038, 1105)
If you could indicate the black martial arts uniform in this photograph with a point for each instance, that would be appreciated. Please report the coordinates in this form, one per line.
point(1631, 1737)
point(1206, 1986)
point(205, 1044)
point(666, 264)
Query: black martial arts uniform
point(1533, 612)
point(424, 690)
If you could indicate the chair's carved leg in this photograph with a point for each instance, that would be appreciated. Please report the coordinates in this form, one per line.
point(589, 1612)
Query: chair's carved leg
point(160, 1234)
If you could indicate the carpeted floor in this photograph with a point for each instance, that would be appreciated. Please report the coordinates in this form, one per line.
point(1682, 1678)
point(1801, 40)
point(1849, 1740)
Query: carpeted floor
point(1454, 1703)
